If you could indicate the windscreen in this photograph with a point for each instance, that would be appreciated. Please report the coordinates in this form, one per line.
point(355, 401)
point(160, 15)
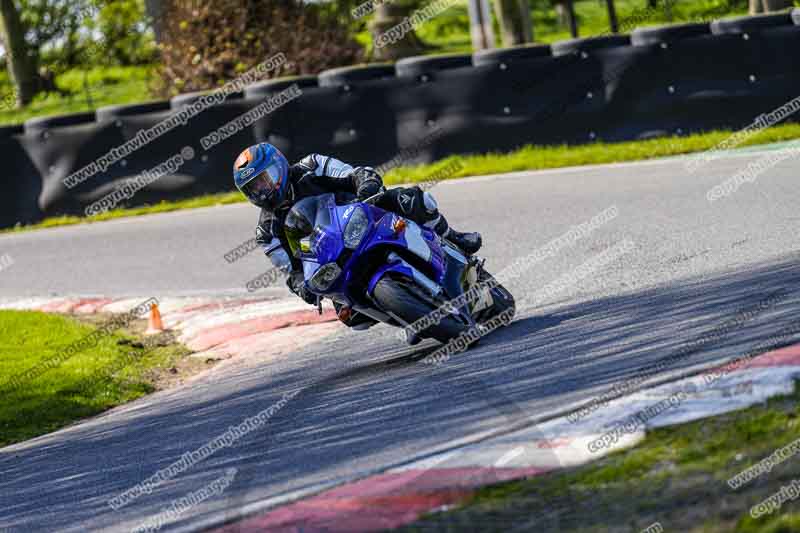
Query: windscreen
point(304, 217)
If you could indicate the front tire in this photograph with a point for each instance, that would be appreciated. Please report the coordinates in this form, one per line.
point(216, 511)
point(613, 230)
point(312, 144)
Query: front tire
point(398, 298)
point(502, 299)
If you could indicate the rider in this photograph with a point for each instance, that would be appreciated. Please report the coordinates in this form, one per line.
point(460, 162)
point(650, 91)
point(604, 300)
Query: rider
point(265, 177)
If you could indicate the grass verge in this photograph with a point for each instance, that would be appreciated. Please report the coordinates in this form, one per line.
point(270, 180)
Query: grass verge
point(103, 86)
point(122, 367)
point(449, 31)
point(546, 157)
point(676, 476)
point(207, 200)
point(457, 166)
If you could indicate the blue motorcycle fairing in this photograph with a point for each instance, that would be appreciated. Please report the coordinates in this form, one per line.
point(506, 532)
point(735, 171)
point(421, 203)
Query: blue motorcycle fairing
point(327, 246)
point(396, 266)
point(421, 241)
point(454, 274)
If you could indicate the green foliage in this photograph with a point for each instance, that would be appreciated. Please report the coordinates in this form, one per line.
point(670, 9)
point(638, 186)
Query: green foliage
point(49, 21)
point(676, 476)
point(126, 39)
point(99, 78)
point(106, 86)
point(86, 384)
point(593, 17)
point(65, 34)
point(449, 32)
point(52, 32)
point(543, 157)
point(208, 200)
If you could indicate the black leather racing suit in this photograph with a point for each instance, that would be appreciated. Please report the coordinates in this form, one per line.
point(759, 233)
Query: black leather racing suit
point(318, 174)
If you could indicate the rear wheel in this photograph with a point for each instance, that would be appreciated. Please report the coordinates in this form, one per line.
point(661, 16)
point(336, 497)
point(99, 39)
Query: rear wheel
point(400, 299)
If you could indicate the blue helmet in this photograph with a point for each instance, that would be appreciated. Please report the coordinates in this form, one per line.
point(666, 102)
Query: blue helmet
point(262, 174)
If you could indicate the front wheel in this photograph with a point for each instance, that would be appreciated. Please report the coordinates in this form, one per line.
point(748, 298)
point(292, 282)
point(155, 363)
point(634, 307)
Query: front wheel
point(398, 298)
point(502, 299)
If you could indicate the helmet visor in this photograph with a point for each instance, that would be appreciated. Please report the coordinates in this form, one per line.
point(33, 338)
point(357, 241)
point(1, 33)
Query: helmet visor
point(262, 188)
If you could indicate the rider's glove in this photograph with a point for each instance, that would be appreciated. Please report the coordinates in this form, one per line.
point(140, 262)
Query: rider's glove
point(296, 284)
point(368, 182)
point(280, 259)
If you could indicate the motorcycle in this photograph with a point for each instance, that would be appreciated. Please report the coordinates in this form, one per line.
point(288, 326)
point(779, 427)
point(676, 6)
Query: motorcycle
point(391, 270)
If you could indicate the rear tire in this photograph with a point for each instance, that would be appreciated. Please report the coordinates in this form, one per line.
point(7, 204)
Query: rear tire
point(396, 297)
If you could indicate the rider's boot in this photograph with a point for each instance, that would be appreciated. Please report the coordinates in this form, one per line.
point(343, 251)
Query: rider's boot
point(469, 243)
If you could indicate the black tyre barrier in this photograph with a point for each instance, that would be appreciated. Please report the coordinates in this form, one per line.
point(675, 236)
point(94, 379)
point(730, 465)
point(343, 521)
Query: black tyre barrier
point(8, 131)
point(344, 76)
point(20, 184)
point(750, 24)
point(589, 44)
point(185, 99)
point(42, 124)
point(505, 56)
point(217, 140)
point(422, 67)
point(777, 54)
point(266, 88)
point(610, 92)
point(62, 150)
point(353, 124)
point(668, 34)
point(115, 111)
point(796, 15)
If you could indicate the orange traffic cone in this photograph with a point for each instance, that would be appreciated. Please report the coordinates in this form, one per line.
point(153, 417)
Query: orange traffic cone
point(154, 324)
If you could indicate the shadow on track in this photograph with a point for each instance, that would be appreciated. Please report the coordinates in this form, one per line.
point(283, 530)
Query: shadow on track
point(353, 416)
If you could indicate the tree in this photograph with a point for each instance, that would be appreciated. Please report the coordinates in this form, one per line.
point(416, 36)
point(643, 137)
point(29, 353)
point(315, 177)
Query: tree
point(155, 12)
point(480, 24)
point(54, 26)
point(515, 21)
point(565, 10)
point(386, 17)
point(125, 40)
point(21, 60)
point(208, 42)
point(613, 23)
point(40, 35)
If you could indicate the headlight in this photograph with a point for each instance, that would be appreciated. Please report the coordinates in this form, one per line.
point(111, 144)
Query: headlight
point(356, 228)
point(324, 277)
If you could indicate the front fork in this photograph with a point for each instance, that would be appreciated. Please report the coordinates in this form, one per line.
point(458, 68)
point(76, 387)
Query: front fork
point(472, 278)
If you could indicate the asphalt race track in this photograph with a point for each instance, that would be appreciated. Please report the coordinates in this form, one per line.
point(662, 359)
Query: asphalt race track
point(365, 402)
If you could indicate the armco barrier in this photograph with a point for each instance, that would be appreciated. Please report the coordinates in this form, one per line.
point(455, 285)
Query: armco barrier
point(658, 81)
